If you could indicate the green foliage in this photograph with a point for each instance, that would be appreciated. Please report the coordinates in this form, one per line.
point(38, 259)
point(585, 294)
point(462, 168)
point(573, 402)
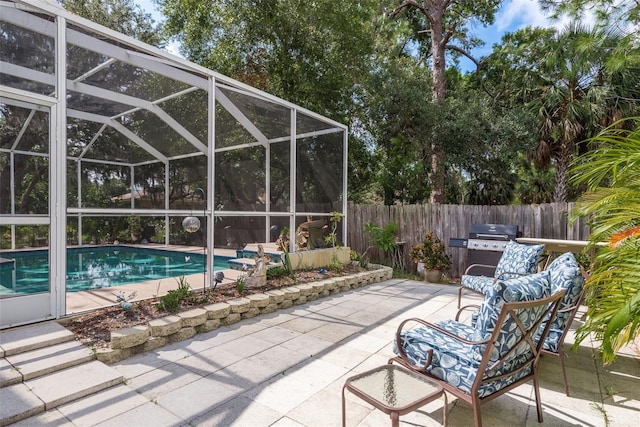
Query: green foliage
point(482, 143)
point(401, 141)
point(307, 52)
point(383, 237)
point(332, 238)
point(241, 282)
point(474, 137)
point(446, 24)
point(361, 181)
point(613, 297)
point(277, 272)
point(609, 12)
point(171, 301)
point(5, 233)
point(336, 265)
point(30, 173)
point(159, 232)
point(123, 16)
point(286, 262)
point(361, 259)
point(133, 231)
point(535, 185)
point(572, 80)
point(431, 252)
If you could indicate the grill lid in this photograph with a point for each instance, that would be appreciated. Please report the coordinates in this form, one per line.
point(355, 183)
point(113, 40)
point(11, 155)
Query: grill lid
point(503, 232)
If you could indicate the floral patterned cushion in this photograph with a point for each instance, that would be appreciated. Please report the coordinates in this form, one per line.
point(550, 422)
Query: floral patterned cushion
point(523, 288)
point(451, 359)
point(564, 273)
point(477, 283)
point(457, 362)
point(518, 258)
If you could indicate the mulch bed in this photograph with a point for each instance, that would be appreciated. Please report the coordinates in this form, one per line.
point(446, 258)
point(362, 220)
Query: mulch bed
point(95, 328)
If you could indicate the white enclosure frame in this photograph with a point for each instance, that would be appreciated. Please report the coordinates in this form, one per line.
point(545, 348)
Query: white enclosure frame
point(51, 20)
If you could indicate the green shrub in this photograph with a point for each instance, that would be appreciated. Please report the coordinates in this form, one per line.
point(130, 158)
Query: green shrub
point(171, 301)
point(336, 265)
point(240, 283)
point(277, 272)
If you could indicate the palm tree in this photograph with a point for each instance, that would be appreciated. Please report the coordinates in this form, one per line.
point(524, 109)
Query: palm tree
point(573, 96)
point(613, 297)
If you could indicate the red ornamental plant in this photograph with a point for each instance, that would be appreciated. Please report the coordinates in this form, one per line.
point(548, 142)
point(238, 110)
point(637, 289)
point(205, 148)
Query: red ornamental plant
point(431, 253)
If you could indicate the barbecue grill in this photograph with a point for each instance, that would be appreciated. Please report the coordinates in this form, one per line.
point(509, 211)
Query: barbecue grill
point(485, 245)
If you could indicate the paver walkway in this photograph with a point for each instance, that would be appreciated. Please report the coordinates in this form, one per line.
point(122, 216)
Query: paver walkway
point(288, 368)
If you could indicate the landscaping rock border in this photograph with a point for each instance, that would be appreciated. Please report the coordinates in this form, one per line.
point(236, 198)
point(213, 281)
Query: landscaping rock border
point(160, 332)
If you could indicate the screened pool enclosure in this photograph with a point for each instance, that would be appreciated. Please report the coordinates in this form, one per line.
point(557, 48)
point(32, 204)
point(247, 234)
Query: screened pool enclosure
point(106, 140)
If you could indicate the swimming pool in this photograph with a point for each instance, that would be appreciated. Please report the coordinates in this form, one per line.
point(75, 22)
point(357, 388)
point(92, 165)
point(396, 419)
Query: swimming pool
point(98, 267)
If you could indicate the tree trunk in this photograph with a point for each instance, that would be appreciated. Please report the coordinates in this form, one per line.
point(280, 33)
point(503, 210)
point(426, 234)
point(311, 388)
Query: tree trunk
point(436, 176)
point(5, 190)
point(24, 200)
point(562, 170)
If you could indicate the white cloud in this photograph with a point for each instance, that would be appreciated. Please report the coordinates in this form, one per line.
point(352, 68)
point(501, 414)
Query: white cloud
point(521, 13)
point(516, 14)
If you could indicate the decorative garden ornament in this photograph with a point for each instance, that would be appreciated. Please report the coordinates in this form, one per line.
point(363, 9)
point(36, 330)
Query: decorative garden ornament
point(191, 224)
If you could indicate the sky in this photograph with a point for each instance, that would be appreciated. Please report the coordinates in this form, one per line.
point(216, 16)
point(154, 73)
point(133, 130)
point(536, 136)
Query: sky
point(513, 14)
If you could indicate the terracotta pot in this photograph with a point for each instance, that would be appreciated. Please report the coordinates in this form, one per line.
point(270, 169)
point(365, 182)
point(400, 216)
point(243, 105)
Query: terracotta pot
point(432, 276)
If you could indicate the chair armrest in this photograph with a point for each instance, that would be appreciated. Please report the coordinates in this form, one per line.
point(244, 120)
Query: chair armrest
point(402, 353)
point(576, 305)
point(472, 266)
point(568, 309)
point(465, 307)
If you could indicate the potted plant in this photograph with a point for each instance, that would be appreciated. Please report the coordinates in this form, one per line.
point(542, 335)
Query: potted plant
point(432, 254)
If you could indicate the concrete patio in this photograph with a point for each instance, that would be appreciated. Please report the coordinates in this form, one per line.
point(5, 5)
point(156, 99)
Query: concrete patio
point(288, 369)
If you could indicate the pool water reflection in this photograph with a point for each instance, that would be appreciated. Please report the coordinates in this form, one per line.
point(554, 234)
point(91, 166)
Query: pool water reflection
point(98, 267)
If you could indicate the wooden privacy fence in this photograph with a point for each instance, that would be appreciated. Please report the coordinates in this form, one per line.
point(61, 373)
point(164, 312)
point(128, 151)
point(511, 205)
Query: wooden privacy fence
point(548, 221)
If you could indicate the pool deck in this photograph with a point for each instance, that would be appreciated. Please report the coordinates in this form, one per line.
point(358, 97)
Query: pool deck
point(79, 302)
point(287, 369)
point(82, 301)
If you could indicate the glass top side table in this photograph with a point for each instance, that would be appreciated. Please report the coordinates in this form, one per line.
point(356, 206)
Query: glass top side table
point(394, 390)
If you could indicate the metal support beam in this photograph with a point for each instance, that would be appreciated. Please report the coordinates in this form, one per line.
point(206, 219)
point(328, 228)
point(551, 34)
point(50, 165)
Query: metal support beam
point(211, 164)
point(241, 118)
point(292, 183)
point(58, 180)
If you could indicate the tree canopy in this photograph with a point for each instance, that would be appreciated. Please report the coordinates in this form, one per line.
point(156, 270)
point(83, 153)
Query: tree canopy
point(443, 22)
point(501, 134)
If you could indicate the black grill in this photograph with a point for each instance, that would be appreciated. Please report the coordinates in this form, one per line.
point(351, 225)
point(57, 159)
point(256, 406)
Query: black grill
point(485, 245)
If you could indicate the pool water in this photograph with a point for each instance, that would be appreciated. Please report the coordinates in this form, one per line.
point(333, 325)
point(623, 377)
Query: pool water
point(98, 267)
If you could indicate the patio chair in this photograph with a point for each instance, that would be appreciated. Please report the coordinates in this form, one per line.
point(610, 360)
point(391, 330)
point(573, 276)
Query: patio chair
point(565, 274)
point(500, 352)
point(516, 260)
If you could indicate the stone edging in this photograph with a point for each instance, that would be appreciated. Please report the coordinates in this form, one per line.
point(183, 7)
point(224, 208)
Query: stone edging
point(160, 332)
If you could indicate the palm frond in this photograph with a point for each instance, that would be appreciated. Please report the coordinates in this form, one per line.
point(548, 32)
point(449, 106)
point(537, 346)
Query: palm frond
point(613, 288)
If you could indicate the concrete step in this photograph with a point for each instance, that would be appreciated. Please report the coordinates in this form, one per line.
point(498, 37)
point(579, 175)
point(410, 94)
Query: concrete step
point(251, 251)
point(8, 374)
point(239, 263)
point(42, 361)
point(18, 402)
point(26, 399)
point(27, 338)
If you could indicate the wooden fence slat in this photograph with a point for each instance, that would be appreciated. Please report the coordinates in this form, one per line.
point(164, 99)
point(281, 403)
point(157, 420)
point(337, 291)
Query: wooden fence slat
point(548, 221)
